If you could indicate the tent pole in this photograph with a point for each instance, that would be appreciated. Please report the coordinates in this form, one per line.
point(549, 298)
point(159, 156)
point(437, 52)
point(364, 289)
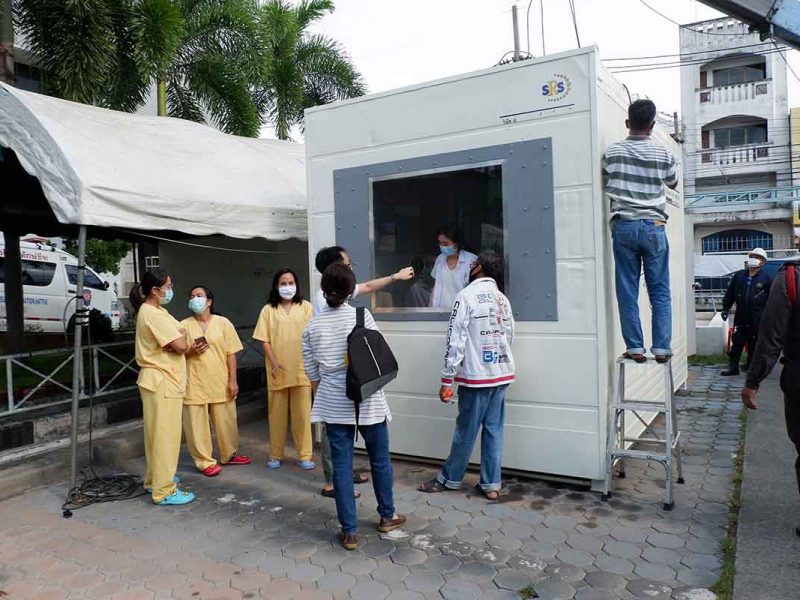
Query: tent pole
point(15, 311)
point(77, 363)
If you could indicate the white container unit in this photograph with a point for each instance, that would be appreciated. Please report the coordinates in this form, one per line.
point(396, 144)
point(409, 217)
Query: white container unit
point(510, 155)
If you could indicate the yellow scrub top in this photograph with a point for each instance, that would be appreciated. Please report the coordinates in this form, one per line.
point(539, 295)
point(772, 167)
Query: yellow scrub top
point(208, 372)
point(155, 328)
point(284, 332)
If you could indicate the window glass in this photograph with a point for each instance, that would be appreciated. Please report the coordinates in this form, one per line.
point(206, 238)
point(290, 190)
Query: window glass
point(737, 240)
point(90, 280)
point(37, 273)
point(737, 75)
point(408, 213)
point(739, 136)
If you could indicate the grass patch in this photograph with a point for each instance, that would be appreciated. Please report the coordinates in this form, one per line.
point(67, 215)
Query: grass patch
point(527, 592)
point(723, 588)
point(703, 360)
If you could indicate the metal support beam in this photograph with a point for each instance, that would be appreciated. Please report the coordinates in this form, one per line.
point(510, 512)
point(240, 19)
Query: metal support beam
point(77, 363)
point(15, 319)
point(778, 18)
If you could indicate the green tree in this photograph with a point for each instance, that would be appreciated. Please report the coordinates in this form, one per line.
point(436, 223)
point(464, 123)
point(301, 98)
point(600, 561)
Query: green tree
point(102, 256)
point(300, 69)
point(202, 55)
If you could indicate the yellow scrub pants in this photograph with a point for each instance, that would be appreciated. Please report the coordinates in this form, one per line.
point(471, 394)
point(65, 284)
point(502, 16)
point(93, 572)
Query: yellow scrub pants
point(197, 420)
point(297, 402)
point(162, 440)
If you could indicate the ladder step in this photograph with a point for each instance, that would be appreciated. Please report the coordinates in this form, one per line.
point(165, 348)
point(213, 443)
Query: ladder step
point(641, 454)
point(644, 406)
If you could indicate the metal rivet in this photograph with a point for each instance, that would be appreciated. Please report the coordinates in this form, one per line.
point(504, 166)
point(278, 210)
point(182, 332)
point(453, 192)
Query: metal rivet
point(546, 206)
point(527, 253)
point(549, 295)
point(524, 208)
point(528, 297)
point(544, 164)
point(547, 251)
point(524, 166)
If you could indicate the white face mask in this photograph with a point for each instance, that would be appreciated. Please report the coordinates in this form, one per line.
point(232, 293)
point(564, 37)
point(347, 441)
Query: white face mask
point(753, 263)
point(287, 292)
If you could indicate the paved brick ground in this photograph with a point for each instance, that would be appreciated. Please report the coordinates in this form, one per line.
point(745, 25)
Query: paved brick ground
point(255, 533)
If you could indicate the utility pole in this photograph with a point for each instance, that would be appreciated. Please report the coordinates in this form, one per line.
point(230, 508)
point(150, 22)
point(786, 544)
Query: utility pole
point(515, 21)
point(676, 129)
point(6, 43)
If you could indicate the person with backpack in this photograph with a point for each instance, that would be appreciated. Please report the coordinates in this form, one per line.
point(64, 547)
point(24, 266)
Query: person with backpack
point(478, 358)
point(326, 360)
point(780, 332)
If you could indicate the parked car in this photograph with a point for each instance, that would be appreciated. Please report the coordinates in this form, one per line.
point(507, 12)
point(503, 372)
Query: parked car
point(49, 279)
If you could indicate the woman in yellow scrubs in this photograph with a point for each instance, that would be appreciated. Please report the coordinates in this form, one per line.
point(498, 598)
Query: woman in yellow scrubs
point(160, 347)
point(212, 386)
point(280, 328)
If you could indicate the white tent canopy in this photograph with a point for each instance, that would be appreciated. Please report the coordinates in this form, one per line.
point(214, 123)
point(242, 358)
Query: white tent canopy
point(718, 265)
point(106, 168)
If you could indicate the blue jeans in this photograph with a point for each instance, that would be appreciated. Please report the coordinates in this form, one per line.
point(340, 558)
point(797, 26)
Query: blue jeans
point(376, 439)
point(640, 244)
point(477, 407)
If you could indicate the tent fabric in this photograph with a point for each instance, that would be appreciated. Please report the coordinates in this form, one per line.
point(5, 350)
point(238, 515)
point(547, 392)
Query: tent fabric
point(718, 265)
point(106, 168)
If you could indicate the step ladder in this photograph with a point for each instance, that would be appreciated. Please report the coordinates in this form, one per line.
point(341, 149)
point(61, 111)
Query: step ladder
point(664, 448)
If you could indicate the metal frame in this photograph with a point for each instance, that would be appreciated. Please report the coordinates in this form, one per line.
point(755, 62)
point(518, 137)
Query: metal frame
point(776, 194)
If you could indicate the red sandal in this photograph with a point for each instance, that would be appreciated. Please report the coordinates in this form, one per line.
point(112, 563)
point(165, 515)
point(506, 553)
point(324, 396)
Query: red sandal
point(238, 459)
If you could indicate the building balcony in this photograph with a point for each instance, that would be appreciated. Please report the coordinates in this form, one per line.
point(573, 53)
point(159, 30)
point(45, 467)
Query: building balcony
point(740, 92)
point(747, 154)
point(723, 200)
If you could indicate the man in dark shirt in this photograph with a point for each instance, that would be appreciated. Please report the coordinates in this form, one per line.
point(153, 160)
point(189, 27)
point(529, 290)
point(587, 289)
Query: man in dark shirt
point(780, 332)
point(749, 289)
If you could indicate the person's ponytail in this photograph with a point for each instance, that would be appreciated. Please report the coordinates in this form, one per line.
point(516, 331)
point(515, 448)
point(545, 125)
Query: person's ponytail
point(137, 297)
point(154, 277)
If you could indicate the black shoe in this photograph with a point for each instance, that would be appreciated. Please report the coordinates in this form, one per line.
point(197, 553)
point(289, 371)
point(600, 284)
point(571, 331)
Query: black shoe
point(730, 372)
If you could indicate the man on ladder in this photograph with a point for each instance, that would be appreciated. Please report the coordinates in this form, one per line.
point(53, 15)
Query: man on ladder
point(635, 172)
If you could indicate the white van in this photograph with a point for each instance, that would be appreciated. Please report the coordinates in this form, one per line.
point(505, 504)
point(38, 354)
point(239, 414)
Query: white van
point(49, 277)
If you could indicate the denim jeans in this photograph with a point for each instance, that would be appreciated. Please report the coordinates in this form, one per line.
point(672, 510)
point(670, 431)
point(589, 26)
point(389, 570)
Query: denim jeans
point(640, 244)
point(477, 407)
point(376, 439)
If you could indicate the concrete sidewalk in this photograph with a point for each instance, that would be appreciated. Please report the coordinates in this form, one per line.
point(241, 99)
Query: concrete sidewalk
point(768, 551)
point(255, 533)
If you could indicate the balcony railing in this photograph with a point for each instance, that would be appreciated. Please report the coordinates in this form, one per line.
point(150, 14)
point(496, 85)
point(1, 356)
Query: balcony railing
point(734, 155)
point(740, 92)
point(777, 194)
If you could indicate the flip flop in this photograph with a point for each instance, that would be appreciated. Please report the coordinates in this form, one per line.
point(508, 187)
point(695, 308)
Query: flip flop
point(485, 493)
point(359, 477)
point(326, 493)
point(433, 486)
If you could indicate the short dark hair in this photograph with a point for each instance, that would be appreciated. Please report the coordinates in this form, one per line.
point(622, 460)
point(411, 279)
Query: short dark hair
point(275, 297)
point(327, 256)
point(338, 283)
point(493, 266)
point(641, 114)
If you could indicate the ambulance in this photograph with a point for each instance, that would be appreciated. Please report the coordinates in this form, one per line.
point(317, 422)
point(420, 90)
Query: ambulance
point(49, 277)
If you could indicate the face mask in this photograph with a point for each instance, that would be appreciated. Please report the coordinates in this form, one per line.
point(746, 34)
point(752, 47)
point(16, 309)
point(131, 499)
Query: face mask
point(287, 292)
point(753, 263)
point(197, 304)
point(447, 250)
point(166, 298)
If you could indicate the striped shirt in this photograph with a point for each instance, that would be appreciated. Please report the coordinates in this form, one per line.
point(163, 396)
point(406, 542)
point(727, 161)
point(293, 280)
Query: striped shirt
point(634, 173)
point(325, 360)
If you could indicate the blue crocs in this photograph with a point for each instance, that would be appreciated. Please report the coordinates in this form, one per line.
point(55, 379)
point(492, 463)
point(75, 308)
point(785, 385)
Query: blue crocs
point(177, 498)
point(175, 479)
point(274, 463)
point(306, 465)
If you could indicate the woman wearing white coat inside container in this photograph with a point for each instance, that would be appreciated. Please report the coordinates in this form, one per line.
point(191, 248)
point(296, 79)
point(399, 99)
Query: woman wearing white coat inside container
point(451, 269)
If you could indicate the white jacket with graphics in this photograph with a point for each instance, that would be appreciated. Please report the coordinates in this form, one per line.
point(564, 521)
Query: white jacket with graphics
point(479, 336)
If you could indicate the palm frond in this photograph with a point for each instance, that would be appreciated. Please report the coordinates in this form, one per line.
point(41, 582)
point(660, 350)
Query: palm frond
point(309, 11)
point(158, 29)
point(127, 87)
point(327, 70)
point(181, 102)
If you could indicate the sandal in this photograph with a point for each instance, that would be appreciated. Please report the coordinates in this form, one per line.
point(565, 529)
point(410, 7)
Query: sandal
point(639, 358)
point(359, 477)
point(326, 493)
point(433, 486)
point(490, 495)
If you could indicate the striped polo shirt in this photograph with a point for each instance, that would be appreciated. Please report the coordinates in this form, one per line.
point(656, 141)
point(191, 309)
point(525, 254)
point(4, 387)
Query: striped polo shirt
point(634, 173)
point(324, 360)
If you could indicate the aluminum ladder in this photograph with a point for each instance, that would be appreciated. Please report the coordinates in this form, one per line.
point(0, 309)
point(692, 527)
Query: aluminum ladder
point(620, 447)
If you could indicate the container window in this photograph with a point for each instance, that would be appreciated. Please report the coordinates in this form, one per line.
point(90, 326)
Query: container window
point(408, 215)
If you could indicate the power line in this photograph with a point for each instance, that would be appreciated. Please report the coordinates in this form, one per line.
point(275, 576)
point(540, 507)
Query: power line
point(673, 64)
point(788, 66)
point(671, 20)
point(714, 51)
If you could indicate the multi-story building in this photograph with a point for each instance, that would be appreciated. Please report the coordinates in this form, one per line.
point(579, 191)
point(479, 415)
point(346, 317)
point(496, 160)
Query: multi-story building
point(738, 159)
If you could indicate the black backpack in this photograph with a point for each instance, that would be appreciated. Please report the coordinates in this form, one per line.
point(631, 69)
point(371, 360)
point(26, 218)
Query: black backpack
point(370, 362)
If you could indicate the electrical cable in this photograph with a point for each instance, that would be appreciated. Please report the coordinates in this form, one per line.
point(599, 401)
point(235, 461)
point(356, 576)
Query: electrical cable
point(678, 54)
point(97, 488)
point(788, 66)
point(671, 20)
point(528, 25)
point(671, 64)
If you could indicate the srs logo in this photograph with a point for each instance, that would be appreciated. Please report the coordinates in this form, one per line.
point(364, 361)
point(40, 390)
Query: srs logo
point(557, 88)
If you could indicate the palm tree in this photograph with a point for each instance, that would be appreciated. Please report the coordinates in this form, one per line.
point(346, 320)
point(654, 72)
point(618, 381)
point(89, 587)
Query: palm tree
point(300, 69)
point(202, 54)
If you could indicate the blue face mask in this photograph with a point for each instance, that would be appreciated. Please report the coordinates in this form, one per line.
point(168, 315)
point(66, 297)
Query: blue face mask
point(447, 250)
point(197, 304)
point(166, 298)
